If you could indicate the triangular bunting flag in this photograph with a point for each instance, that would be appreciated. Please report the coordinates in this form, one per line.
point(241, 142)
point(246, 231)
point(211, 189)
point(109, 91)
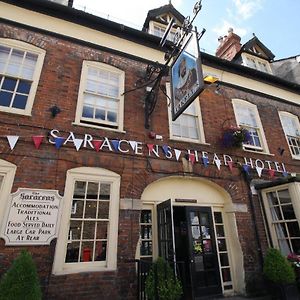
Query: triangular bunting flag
point(97, 144)
point(218, 164)
point(192, 158)
point(259, 171)
point(177, 153)
point(12, 140)
point(285, 174)
point(165, 149)
point(230, 165)
point(133, 144)
point(59, 142)
point(246, 168)
point(271, 173)
point(150, 147)
point(78, 143)
point(37, 140)
point(115, 144)
point(205, 161)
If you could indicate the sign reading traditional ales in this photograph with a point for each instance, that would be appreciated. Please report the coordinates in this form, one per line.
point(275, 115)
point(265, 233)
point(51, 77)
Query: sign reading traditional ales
point(32, 217)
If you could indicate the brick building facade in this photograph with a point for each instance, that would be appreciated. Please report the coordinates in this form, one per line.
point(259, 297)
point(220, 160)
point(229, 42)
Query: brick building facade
point(68, 82)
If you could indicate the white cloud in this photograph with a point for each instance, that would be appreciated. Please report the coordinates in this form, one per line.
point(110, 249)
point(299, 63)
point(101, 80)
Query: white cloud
point(222, 29)
point(247, 8)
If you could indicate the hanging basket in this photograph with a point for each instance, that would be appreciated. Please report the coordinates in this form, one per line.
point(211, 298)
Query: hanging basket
point(235, 137)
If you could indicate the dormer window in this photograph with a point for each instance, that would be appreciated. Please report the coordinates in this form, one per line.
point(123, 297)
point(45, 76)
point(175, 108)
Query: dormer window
point(159, 29)
point(257, 63)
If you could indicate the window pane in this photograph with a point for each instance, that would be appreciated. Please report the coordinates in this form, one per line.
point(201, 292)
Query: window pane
point(100, 114)
point(105, 191)
point(288, 212)
point(72, 252)
point(111, 116)
point(284, 196)
point(5, 98)
point(92, 190)
point(272, 197)
point(75, 230)
point(9, 84)
point(218, 217)
point(79, 190)
point(103, 210)
point(293, 228)
point(4, 53)
point(101, 230)
point(87, 251)
point(226, 274)
point(20, 101)
point(77, 209)
point(88, 230)
point(90, 210)
point(146, 216)
point(23, 87)
point(87, 112)
point(296, 246)
point(100, 254)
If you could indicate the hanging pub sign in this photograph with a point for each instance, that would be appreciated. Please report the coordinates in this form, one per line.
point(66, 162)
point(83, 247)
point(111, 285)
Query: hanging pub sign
point(32, 217)
point(186, 77)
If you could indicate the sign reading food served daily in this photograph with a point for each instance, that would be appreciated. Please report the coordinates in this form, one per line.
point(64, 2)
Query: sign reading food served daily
point(32, 217)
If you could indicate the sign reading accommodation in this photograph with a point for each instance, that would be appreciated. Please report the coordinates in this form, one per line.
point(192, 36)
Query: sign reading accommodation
point(32, 217)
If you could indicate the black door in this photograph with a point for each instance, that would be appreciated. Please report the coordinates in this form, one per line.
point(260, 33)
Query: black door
point(166, 231)
point(204, 267)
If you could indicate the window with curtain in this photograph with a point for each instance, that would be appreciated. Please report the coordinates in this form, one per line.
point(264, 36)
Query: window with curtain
point(284, 222)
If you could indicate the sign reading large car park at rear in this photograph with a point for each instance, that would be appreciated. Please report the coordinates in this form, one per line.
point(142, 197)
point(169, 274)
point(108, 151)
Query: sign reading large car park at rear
point(32, 217)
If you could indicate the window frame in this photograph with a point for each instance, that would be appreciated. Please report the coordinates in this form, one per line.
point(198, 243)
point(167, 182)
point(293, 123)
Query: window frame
point(261, 134)
point(294, 193)
point(86, 64)
point(199, 121)
point(88, 174)
point(8, 171)
point(163, 28)
point(257, 61)
point(294, 117)
point(41, 53)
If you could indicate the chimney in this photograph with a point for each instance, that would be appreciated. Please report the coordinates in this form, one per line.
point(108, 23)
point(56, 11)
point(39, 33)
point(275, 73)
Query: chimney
point(229, 45)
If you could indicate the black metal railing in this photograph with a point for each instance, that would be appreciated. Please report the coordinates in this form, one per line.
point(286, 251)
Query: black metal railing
point(143, 269)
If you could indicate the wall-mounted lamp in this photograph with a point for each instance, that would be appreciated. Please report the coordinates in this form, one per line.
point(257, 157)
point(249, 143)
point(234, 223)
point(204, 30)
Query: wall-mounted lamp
point(210, 79)
point(54, 110)
point(280, 151)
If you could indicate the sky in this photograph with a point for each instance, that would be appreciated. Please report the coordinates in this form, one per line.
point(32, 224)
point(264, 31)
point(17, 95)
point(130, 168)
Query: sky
point(276, 23)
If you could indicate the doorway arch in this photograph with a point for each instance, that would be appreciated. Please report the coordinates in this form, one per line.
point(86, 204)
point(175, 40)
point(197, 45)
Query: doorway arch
point(199, 192)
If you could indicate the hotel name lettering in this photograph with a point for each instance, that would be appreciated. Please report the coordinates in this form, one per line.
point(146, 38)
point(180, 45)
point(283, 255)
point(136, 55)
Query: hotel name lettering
point(123, 146)
point(32, 217)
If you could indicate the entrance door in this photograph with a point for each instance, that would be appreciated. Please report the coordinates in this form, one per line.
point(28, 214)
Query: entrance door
point(165, 226)
point(204, 267)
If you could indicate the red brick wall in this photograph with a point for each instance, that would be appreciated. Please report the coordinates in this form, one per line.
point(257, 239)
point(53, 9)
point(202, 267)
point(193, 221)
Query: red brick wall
point(46, 168)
